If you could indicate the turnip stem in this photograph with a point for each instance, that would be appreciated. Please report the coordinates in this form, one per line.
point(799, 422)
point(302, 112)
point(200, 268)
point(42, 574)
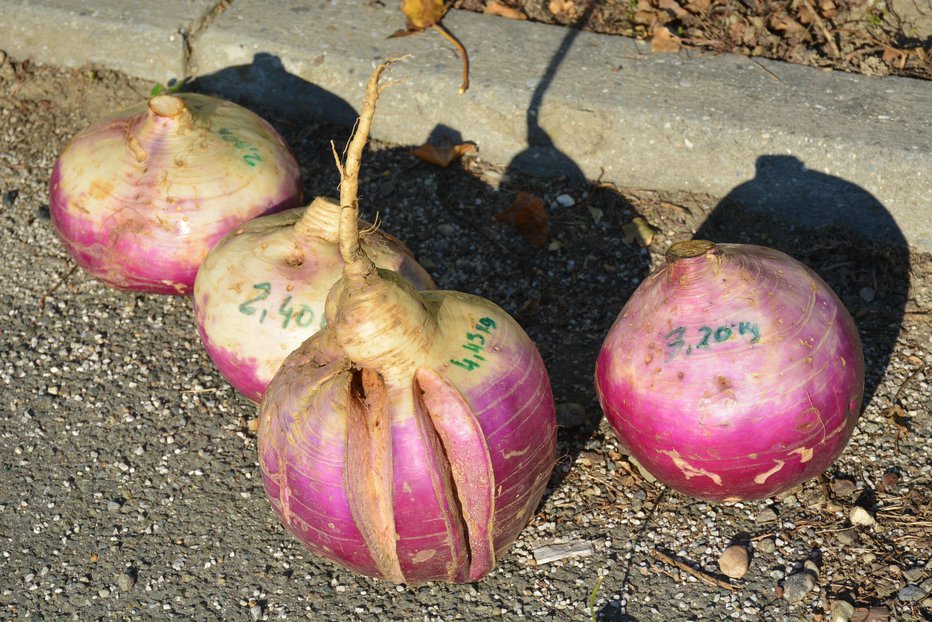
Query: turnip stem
point(356, 263)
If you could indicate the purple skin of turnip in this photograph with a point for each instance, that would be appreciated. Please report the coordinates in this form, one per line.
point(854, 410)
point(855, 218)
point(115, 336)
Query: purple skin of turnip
point(412, 437)
point(261, 290)
point(140, 197)
point(732, 373)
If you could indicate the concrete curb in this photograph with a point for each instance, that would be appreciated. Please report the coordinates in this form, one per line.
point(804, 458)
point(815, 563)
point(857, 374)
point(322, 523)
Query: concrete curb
point(817, 147)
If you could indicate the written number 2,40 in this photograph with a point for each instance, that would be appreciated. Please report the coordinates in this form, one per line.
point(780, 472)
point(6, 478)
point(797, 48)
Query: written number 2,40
point(302, 317)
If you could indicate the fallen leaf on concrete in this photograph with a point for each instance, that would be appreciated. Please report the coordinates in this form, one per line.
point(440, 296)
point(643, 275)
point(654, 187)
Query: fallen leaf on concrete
point(528, 215)
point(665, 41)
point(443, 155)
point(423, 14)
point(640, 230)
point(494, 8)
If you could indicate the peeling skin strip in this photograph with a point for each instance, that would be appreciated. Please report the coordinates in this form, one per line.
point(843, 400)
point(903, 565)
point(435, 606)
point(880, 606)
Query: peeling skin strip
point(762, 477)
point(689, 471)
point(368, 472)
point(470, 464)
point(805, 453)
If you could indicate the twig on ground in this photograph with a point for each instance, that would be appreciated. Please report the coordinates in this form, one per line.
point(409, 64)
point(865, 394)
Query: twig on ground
point(702, 576)
point(61, 282)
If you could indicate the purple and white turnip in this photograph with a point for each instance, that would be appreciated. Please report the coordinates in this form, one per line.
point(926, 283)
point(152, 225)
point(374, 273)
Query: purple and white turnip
point(733, 372)
point(140, 197)
point(412, 437)
point(261, 290)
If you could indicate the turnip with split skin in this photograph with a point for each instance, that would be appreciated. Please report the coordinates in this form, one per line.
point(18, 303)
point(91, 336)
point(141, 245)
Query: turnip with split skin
point(412, 437)
point(140, 197)
point(733, 372)
point(261, 290)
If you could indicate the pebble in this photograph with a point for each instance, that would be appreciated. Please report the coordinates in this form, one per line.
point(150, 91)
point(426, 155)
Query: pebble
point(842, 611)
point(860, 516)
point(734, 561)
point(446, 229)
point(867, 294)
point(256, 612)
point(9, 197)
point(767, 545)
point(125, 581)
point(796, 586)
point(911, 594)
point(103, 592)
point(843, 487)
point(566, 200)
point(847, 536)
point(868, 557)
point(766, 515)
point(890, 480)
point(114, 506)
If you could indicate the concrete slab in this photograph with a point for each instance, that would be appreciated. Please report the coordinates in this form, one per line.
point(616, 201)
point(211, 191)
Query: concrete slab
point(147, 40)
point(817, 146)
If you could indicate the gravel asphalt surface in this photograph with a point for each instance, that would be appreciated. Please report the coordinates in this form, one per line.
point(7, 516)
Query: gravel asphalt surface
point(131, 491)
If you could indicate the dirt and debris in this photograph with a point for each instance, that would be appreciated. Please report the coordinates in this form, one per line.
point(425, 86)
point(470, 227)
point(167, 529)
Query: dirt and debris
point(862, 36)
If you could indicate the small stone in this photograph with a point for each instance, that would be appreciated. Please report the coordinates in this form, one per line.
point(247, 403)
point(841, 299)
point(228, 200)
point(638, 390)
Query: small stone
point(767, 545)
point(114, 506)
point(125, 581)
point(867, 294)
point(860, 516)
point(842, 611)
point(446, 229)
point(766, 515)
point(911, 594)
point(566, 200)
point(890, 480)
point(843, 487)
point(811, 567)
point(797, 586)
point(847, 536)
point(9, 197)
point(868, 557)
point(103, 592)
point(256, 612)
point(734, 561)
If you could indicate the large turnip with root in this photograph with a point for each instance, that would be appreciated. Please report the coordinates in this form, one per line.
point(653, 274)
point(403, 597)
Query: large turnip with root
point(410, 439)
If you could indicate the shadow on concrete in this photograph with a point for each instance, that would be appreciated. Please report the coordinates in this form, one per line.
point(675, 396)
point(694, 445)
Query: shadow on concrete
point(267, 80)
point(842, 232)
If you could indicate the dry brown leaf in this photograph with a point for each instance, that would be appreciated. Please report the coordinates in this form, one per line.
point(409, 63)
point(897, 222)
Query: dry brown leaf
point(828, 9)
point(890, 55)
point(640, 230)
point(494, 8)
point(736, 32)
point(673, 7)
point(781, 22)
point(698, 6)
point(806, 14)
point(423, 14)
point(443, 155)
point(528, 215)
point(665, 41)
point(561, 6)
